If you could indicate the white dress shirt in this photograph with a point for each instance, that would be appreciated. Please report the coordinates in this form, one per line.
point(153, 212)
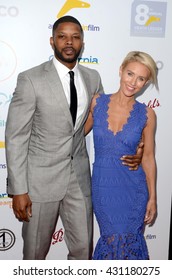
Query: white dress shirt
point(63, 72)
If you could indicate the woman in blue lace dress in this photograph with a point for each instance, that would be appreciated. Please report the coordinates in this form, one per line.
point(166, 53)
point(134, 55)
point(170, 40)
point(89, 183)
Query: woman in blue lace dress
point(124, 200)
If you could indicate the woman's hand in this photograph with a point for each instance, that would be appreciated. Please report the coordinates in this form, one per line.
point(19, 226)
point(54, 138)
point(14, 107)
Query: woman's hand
point(151, 212)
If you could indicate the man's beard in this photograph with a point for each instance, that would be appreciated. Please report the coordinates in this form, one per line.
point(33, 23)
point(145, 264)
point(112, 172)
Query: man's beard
point(59, 55)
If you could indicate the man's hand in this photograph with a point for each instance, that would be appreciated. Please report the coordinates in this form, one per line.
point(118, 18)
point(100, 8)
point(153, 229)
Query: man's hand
point(22, 207)
point(135, 160)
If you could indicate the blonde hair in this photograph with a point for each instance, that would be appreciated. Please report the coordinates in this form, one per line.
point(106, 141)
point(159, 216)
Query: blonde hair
point(145, 59)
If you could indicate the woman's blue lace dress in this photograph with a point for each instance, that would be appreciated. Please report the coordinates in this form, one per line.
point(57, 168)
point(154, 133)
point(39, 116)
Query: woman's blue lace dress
point(119, 195)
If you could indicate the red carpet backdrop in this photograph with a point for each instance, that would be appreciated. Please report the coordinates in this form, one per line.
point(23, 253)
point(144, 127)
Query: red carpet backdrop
point(111, 29)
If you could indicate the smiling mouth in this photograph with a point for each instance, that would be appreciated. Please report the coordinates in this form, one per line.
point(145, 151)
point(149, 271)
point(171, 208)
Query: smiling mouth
point(130, 88)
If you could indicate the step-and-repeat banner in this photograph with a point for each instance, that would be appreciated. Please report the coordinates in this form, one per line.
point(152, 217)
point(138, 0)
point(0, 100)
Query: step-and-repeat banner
point(112, 28)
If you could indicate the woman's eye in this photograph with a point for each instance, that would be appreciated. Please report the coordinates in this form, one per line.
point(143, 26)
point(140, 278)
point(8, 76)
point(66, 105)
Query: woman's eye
point(142, 79)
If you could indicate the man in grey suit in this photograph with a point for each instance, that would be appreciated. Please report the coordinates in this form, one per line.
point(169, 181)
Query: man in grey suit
point(47, 160)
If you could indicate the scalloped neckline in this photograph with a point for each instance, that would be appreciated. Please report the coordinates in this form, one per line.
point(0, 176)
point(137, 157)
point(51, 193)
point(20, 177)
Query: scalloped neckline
point(127, 120)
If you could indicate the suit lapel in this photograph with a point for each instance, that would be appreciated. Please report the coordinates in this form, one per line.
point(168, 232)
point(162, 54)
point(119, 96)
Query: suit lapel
point(57, 89)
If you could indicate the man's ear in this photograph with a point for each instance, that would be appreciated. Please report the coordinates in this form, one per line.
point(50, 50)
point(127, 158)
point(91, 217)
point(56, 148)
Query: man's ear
point(82, 49)
point(52, 42)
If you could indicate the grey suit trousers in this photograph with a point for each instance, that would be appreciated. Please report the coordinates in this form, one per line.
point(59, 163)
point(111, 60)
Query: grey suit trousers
point(75, 211)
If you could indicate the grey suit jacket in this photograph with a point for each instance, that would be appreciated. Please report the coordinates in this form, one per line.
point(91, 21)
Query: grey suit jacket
point(40, 139)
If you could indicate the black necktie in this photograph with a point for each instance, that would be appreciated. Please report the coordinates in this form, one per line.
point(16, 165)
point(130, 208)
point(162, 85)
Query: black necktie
point(73, 97)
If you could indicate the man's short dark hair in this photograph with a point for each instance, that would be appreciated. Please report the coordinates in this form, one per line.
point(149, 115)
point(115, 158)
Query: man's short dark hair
point(66, 19)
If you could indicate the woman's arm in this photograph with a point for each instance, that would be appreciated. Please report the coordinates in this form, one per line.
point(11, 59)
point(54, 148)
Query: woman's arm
point(149, 165)
point(89, 122)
